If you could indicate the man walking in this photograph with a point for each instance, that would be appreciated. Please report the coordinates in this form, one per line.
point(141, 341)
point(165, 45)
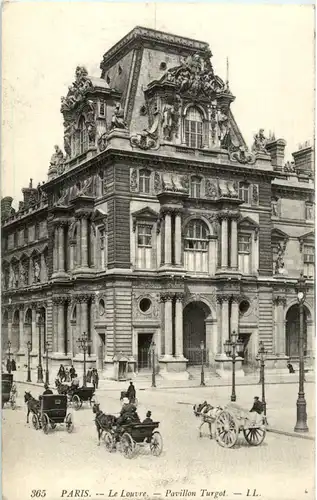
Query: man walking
point(131, 393)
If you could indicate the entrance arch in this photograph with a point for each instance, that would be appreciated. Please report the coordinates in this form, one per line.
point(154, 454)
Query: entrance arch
point(292, 330)
point(194, 330)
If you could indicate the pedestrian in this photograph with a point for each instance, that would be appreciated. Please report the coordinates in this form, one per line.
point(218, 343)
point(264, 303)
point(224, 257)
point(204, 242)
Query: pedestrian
point(257, 406)
point(61, 373)
point(290, 368)
point(89, 375)
point(13, 366)
point(67, 375)
point(131, 393)
point(75, 382)
point(8, 365)
point(72, 372)
point(95, 378)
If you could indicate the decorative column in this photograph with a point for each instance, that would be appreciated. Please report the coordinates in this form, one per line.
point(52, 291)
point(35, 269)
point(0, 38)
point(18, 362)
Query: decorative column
point(224, 242)
point(223, 331)
point(84, 240)
point(84, 299)
point(61, 248)
point(178, 238)
point(10, 323)
point(168, 238)
point(22, 344)
point(61, 325)
point(179, 326)
point(55, 250)
point(168, 330)
point(35, 336)
point(92, 329)
point(235, 314)
point(279, 303)
point(234, 243)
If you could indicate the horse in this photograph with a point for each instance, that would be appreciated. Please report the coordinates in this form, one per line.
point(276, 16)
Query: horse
point(208, 414)
point(103, 422)
point(61, 388)
point(32, 404)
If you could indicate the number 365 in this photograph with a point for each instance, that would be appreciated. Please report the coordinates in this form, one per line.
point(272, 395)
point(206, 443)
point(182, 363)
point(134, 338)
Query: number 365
point(38, 493)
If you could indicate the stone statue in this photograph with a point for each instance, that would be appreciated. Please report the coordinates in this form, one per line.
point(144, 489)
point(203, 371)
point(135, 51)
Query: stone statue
point(76, 91)
point(279, 263)
point(223, 122)
point(36, 270)
point(117, 120)
point(23, 275)
point(274, 208)
point(11, 278)
point(170, 119)
point(147, 139)
point(260, 142)
point(67, 140)
point(57, 158)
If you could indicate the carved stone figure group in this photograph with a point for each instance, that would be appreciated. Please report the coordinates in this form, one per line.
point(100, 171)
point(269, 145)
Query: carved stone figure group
point(77, 90)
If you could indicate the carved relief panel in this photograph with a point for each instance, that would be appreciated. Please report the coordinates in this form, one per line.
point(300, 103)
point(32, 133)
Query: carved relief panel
point(146, 306)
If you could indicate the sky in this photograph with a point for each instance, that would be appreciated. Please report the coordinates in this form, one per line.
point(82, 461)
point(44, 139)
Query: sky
point(271, 68)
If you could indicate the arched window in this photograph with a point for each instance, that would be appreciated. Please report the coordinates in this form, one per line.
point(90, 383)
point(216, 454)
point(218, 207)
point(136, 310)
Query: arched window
point(195, 187)
point(193, 128)
point(196, 246)
point(244, 192)
point(83, 136)
point(144, 181)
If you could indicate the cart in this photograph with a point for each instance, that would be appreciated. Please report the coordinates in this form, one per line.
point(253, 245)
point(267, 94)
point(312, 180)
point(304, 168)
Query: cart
point(77, 396)
point(131, 436)
point(9, 391)
point(233, 420)
point(53, 411)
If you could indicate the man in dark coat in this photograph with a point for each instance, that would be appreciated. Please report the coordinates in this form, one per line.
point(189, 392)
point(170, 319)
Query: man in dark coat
point(13, 366)
point(131, 393)
point(47, 390)
point(257, 406)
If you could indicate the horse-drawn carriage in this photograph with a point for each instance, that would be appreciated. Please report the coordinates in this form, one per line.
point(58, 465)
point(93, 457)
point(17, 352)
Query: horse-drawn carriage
point(53, 411)
point(129, 437)
point(76, 396)
point(229, 421)
point(9, 390)
point(124, 394)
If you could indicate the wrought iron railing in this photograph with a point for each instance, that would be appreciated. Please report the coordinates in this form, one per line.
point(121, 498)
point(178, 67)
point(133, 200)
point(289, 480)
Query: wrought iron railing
point(194, 355)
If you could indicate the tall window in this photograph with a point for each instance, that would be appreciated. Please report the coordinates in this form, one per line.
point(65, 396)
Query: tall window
point(195, 187)
point(144, 181)
point(244, 253)
point(309, 261)
point(144, 247)
point(193, 128)
point(244, 192)
point(83, 136)
point(196, 247)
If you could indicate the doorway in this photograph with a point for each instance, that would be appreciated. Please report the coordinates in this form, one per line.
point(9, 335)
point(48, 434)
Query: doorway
point(194, 331)
point(292, 331)
point(144, 351)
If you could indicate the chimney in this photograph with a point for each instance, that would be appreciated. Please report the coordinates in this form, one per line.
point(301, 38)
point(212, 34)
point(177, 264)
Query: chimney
point(6, 207)
point(29, 194)
point(304, 161)
point(276, 148)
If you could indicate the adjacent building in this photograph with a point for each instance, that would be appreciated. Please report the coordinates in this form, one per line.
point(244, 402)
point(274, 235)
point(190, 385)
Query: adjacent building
point(157, 225)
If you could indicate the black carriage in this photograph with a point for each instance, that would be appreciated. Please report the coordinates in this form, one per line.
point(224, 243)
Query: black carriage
point(9, 392)
point(53, 411)
point(77, 396)
point(124, 394)
point(133, 435)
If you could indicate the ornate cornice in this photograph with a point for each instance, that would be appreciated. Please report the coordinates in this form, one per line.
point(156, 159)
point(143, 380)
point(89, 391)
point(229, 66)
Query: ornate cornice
point(279, 299)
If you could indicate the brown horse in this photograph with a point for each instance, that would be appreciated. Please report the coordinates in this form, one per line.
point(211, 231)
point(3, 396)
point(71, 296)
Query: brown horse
point(103, 422)
point(33, 405)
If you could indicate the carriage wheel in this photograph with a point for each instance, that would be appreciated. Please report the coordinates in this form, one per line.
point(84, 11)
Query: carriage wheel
point(109, 441)
point(226, 430)
point(156, 444)
point(53, 425)
point(127, 445)
point(69, 423)
point(35, 422)
point(77, 402)
point(254, 436)
point(45, 423)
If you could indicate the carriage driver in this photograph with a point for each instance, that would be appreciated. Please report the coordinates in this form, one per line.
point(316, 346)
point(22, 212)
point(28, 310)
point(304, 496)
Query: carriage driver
point(47, 390)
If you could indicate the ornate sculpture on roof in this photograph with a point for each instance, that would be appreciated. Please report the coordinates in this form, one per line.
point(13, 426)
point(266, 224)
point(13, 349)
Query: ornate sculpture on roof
point(195, 75)
point(117, 120)
point(148, 139)
point(289, 167)
point(260, 142)
point(242, 155)
point(102, 141)
point(57, 163)
point(170, 118)
point(77, 91)
point(67, 139)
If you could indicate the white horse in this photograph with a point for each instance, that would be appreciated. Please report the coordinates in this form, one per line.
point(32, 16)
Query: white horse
point(208, 415)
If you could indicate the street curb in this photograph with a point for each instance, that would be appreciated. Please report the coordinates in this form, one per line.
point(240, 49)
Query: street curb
point(291, 434)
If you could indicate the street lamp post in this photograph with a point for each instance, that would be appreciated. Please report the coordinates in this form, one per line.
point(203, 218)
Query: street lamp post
point(202, 373)
point(84, 344)
point(153, 365)
point(301, 422)
point(232, 347)
point(9, 356)
point(39, 368)
point(47, 377)
point(29, 348)
point(261, 356)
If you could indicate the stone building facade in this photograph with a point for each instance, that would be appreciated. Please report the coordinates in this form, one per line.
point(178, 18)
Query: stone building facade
point(158, 224)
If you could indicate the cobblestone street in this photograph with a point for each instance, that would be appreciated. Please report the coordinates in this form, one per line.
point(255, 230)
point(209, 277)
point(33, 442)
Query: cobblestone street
point(74, 461)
